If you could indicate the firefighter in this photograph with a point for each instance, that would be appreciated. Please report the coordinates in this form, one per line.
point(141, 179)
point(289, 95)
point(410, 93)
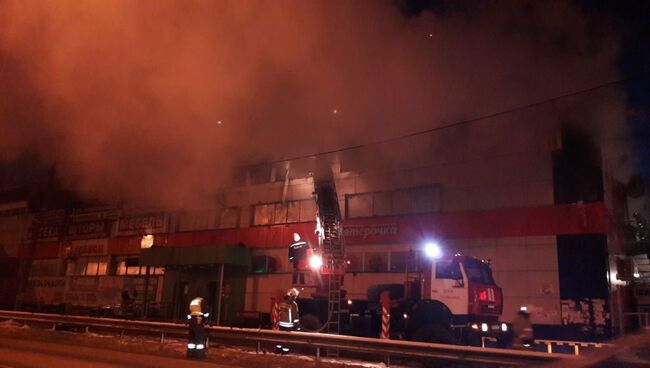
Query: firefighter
point(198, 337)
point(298, 257)
point(288, 314)
point(522, 329)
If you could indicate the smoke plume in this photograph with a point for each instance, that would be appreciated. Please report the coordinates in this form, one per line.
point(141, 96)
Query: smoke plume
point(161, 100)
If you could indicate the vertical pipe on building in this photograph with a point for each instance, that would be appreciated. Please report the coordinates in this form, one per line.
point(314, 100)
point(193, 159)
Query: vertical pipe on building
point(221, 269)
point(146, 292)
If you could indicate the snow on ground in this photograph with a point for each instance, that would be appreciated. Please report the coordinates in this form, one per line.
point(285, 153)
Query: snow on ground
point(173, 347)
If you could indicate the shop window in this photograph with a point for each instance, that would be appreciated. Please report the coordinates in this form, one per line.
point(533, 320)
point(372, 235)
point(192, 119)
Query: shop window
point(398, 261)
point(263, 214)
point(426, 199)
point(87, 266)
point(376, 262)
point(280, 213)
point(263, 264)
point(229, 218)
point(396, 202)
point(355, 262)
point(308, 210)
point(403, 261)
point(130, 266)
point(359, 205)
point(381, 204)
point(290, 212)
point(293, 211)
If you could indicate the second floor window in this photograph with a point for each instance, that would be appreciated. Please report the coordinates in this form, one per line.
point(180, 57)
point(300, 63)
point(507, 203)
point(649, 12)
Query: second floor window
point(87, 266)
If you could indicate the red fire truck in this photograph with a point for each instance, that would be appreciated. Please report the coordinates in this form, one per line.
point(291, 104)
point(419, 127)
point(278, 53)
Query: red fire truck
point(446, 299)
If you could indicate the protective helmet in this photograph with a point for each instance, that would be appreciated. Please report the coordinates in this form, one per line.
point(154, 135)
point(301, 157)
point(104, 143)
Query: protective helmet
point(196, 309)
point(293, 293)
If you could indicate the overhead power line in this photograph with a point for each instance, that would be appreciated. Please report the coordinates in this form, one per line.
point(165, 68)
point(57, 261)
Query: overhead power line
point(450, 125)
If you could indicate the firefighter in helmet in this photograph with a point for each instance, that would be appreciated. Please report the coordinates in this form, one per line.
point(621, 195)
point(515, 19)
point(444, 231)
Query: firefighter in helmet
point(522, 329)
point(288, 314)
point(198, 336)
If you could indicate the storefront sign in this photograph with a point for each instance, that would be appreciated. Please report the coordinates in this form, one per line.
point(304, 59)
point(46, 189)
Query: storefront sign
point(87, 230)
point(48, 290)
point(374, 231)
point(84, 283)
point(88, 247)
point(94, 214)
point(46, 226)
point(47, 283)
point(149, 223)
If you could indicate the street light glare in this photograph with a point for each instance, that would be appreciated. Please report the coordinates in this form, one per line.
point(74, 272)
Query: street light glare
point(432, 250)
point(315, 261)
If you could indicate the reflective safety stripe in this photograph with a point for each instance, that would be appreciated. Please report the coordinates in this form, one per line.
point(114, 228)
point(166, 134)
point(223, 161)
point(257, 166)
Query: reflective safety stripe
point(285, 324)
point(200, 346)
point(191, 346)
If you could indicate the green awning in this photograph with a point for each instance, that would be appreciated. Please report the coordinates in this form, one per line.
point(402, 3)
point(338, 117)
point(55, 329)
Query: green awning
point(202, 255)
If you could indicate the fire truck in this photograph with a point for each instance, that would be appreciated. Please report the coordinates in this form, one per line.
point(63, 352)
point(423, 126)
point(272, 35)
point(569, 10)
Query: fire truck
point(445, 299)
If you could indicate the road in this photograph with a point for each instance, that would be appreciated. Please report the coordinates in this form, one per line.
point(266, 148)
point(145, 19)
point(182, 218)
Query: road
point(19, 353)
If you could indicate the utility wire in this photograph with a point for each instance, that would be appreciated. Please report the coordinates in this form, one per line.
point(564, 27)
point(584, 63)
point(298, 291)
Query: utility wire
point(451, 125)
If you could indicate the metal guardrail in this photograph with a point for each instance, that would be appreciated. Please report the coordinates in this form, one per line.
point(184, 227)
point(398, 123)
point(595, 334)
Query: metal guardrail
point(550, 343)
point(317, 341)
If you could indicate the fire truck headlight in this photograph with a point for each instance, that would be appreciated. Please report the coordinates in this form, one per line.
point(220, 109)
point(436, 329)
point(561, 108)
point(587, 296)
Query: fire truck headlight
point(474, 326)
point(504, 327)
point(484, 327)
point(349, 301)
point(432, 250)
point(315, 261)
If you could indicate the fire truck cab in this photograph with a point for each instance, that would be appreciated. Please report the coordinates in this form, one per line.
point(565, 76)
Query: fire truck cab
point(448, 300)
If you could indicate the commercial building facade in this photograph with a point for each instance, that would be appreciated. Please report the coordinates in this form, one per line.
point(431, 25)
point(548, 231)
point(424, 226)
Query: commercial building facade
point(531, 198)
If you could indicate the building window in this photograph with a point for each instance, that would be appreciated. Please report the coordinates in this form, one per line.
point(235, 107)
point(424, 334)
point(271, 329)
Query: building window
point(355, 262)
point(403, 261)
point(263, 264)
point(129, 266)
point(376, 262)
point(229, 218)
point(289, 212)
point(44, 268)
point(396, 202)
point(87, 266)
point(398, 261)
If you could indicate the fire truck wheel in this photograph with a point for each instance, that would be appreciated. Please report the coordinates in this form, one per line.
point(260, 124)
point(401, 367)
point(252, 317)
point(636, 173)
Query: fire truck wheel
point(434, 332)
point(310, 323)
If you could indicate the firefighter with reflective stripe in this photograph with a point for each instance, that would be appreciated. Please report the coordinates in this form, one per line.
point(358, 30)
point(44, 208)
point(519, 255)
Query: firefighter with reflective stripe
point(522, 329)
point(288, 315)
point(298, 252)
point(198, 337)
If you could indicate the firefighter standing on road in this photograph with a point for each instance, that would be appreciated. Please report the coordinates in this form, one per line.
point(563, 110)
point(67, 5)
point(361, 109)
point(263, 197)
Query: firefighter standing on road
point(198, 337)
point(288, 315)
point(522, 329)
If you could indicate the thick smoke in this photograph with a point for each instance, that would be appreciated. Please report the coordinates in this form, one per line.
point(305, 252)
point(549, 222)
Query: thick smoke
point(160, 100)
